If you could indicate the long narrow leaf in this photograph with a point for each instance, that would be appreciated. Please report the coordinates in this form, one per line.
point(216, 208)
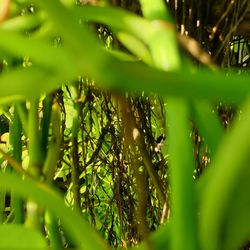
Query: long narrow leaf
point(40, 52)
point(28, 83)
point(84, 236)
point(228, 167)
point(208, 125)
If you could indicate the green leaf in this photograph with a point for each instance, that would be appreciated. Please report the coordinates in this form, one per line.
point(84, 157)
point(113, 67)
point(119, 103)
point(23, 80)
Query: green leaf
point(40, 52)
point(165, 54)
point(236, 229)
point(14, 236)
point(218, 187)
point(110, 73)
point(117, 19)
point(21, 23)
point(78, 230)
point(208, 124)
point(135, 46)
point(19, 84)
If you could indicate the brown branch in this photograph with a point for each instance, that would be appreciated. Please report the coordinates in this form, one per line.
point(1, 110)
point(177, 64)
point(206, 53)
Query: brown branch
point(75, 173)
point(94, 156)
point(136, 135)
point(195, 50)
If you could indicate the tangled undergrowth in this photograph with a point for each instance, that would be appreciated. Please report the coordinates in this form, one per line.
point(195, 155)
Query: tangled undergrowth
point(108, 151)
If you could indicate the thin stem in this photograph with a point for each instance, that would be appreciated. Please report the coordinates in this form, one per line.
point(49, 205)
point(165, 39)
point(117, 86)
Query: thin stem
point(47, 106)
point(75, 157)
point(16, 142)
point(35, 149)
point(54, 145)
point(54, 233)
point(35, 161)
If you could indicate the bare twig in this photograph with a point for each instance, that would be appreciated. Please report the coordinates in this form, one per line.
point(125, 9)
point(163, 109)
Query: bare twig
point(194, 48)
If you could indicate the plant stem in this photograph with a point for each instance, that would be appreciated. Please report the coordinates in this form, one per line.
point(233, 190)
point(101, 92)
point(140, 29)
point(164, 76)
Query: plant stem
point(166, 56)
point(52, 157)
point(47, 106)
point(34, 135)
point(35, 161)
point(54, 234)
point(75, 157)
point(16, 143)
point(54, 145)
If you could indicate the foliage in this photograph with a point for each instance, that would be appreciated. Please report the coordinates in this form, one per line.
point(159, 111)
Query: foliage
point(87, 93)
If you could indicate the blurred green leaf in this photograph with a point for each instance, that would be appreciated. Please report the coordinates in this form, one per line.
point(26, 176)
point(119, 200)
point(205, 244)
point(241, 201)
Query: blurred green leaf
point(78, 230)
point(21, 23)
point(218, 188)
point(208, 125)
point(19, 84)
point(14, 236)
point(135, 46)
point(118, 19)
point(236, 227)
point(40, 52)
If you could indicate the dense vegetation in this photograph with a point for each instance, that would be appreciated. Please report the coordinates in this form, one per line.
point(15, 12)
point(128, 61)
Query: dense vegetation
point(124, 127)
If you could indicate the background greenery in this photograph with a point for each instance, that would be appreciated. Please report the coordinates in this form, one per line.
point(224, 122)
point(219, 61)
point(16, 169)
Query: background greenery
point(88, 90)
